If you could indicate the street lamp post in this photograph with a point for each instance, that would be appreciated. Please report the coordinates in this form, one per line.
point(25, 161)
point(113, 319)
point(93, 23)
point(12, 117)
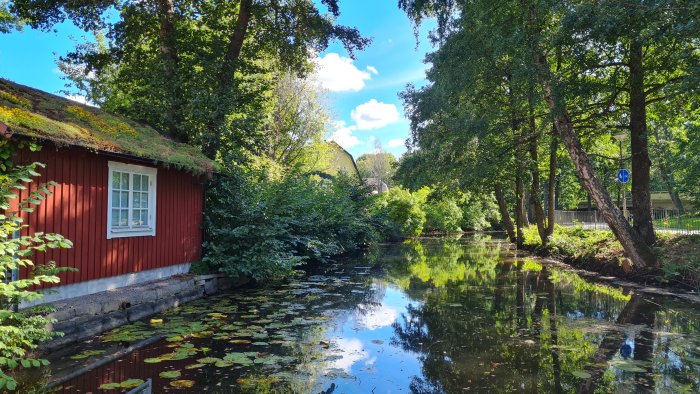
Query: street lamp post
point(621, 137)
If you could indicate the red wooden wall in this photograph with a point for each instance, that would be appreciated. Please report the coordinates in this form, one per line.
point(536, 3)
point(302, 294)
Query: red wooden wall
point(77, 209)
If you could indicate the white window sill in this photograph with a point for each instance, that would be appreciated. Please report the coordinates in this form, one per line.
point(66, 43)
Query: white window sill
point(124, 233)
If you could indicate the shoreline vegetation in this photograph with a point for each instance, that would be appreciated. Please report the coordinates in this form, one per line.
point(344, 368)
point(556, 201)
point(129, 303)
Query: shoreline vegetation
point(598, 250)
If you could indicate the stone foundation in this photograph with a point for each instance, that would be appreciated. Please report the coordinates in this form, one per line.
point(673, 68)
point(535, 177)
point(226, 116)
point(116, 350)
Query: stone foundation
point(86, 316)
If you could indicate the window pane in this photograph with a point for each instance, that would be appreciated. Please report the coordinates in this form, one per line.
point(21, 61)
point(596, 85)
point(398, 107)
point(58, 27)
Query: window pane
point(144, 200)
point(125, 200)
point(137, 199)
point(125, 181)
point(115, 199)
point(144, 182)
point(137, 182)
point(115, 217)
point(124, 218)
point(144, 218)
point(116, 176)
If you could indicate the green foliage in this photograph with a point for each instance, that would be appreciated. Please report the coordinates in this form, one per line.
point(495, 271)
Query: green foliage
point(400, 212)
point(263, 227)
point(21, 331)
point(443, 216)
point(575, 242)
point(380, 165)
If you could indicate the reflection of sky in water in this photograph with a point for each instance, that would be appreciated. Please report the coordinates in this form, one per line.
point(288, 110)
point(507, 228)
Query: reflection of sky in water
point(363, 341)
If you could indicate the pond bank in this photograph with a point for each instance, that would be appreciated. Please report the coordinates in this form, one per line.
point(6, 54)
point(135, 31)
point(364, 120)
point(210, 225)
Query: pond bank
point(598, 251)
point(87, 316)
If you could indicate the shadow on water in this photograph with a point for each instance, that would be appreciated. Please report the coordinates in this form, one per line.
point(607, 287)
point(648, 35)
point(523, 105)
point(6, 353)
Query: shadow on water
point(425, 316)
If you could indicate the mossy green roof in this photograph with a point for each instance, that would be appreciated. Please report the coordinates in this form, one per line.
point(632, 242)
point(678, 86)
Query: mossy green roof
point(33, 113)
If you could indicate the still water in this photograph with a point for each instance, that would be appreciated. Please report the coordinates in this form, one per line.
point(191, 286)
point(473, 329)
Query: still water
point(425, 316)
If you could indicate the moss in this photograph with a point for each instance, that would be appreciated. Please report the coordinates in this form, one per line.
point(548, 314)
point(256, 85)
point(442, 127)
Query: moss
point(38, 114)
point(15, 99)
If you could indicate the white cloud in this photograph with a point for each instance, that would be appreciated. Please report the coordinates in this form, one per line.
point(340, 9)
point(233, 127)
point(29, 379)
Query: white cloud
point(374, 114)
point(396, 143)
point(373, 70)
point(79, 99)
point(371, 318)
point(338, 74)
point(351, 352)
point(343, 135)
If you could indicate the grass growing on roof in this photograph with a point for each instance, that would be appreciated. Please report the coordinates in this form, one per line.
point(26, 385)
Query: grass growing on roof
point(38, 114)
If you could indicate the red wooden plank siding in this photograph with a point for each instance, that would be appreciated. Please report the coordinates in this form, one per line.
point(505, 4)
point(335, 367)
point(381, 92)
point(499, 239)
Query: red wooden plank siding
point(78, 210)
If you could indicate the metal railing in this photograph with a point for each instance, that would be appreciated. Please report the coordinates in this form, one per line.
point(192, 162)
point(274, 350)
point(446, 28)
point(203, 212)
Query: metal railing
point(665, 220)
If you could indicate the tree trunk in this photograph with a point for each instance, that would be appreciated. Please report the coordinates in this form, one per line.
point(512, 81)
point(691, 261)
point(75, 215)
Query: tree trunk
point(635, 247)
point(552, 180)
point(669, 181)
point(506, 221)
point(168, 51)
point(641, 164)
point(520, 215)
point(536, 192)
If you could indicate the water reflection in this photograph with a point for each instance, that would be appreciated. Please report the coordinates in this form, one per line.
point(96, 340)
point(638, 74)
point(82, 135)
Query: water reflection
point(427, 316)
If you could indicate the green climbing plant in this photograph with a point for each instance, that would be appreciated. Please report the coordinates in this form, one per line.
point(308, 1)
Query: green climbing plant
point(22, 330)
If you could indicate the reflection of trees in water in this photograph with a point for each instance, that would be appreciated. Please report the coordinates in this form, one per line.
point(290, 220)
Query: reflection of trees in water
point(503, 327)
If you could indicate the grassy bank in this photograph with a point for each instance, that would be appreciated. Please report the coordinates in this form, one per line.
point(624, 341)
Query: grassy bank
point(598, 250)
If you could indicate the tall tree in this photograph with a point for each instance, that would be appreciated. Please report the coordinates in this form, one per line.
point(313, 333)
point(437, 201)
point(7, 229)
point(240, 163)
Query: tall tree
point(527, 32)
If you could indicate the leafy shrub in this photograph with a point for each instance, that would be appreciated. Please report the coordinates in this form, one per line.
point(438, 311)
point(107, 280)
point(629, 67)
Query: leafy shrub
point(400, 212)
point(262, 227)
point(21, 331)
point(478, 211)
point(443, 216)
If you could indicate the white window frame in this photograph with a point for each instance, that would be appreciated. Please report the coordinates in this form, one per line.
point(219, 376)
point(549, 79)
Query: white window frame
point(132, 170)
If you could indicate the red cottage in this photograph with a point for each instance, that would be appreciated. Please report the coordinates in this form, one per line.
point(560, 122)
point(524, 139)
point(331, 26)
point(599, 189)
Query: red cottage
point(130, 199)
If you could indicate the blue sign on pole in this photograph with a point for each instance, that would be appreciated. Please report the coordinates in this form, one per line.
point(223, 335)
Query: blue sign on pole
point(623, 176)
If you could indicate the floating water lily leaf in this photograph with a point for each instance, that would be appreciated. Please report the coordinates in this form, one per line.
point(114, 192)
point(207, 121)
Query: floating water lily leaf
point(156, 321)
point(152, 360)
point(175, 338)
point(182, 384)
point(194, 366)
point(223, 364)
point(86, 354)
point(131, 383)
point(170, 374)
point(239, 358)
point(260, 343)
point(239, 341)
point(581, 374)
point(208, 360)
point(110, 386)
point(217, 315)
point(187, 345)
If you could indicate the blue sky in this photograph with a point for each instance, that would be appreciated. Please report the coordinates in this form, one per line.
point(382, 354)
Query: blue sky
point(362, 92)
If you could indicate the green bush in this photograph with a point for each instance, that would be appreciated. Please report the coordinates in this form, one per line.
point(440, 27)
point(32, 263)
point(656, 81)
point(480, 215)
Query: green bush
point(261, 227)
point(443, 216)
point(576, 241)
point(400, 212)
point(21, 330)
point(478, 211)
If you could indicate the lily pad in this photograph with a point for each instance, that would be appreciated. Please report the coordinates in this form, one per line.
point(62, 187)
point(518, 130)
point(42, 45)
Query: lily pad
point(194, 366)
point(110, 386)
point(152, 360)
point(223, 364)
point(238, 358)
point(182, 384)
point(170, 374)
point(581, 374)
point(208, 360)
point(239, 341)
point(131, 383)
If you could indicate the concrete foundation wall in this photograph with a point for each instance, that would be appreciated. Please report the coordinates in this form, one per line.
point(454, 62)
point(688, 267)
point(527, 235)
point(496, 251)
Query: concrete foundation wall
point(80, 289)
point(86, 316)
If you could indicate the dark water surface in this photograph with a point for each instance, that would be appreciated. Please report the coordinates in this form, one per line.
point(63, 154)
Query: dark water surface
point(426, 316)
